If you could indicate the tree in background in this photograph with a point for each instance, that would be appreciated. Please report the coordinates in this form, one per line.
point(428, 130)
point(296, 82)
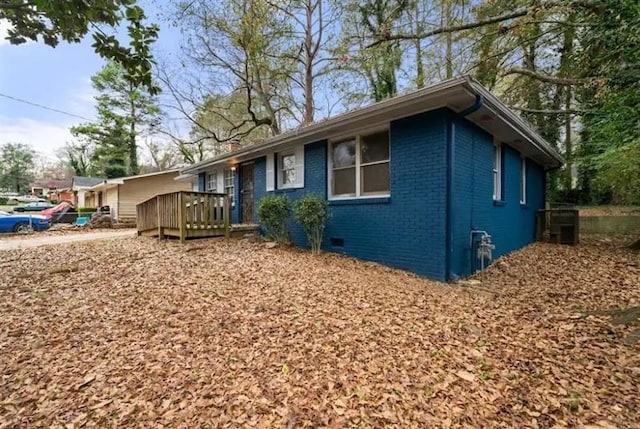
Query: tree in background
point(126, 112)
point(569, 67)
point(17, 162)
point(77, 156)
point(70, 21)
point(249, 69)
point(610, 146)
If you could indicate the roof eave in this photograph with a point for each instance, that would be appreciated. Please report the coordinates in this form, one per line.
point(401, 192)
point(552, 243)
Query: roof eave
point(466, 82)
point(519, 124)
point(327, 125)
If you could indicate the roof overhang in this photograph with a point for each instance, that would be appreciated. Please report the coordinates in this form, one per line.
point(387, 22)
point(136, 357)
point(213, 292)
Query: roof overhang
point(455, 94)
point(185, 177)
point(107, 184)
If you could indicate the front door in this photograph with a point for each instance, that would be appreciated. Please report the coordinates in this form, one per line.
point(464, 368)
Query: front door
point(246, 192)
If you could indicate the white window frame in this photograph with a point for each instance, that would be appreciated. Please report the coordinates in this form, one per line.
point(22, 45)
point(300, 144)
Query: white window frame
point(358, 166)
point(211, 184)
point(497, 172)
point(230, 189)
point(274, 162)
point(523, 180)
point(281, 170)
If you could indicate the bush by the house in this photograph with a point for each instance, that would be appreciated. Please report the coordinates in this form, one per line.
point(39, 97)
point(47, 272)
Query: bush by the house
point(312, 213)
point(273, 212)
point(86, 210)
point(3, 201)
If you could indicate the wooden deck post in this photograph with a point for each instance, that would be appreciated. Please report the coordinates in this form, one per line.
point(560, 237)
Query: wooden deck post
point(226, 216)
point(182, 221)
point(160, 228)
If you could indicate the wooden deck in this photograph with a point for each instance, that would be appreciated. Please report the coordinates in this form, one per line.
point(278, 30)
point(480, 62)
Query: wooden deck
point(185, 215)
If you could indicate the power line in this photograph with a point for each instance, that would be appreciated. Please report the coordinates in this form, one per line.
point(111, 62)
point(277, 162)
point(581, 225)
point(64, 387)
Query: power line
point(43, 107)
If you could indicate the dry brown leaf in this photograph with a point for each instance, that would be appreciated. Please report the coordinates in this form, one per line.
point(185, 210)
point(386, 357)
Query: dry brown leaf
point(465, 375)
point(149, 334)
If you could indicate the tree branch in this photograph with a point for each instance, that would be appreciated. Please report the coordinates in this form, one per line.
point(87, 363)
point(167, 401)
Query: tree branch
point(516, 13)
point(550, 111)
point(562, 81)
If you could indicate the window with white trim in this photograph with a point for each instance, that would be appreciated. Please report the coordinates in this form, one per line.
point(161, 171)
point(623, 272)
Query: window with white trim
point(360, 166)
point(523, 180)
point(497, 172)
point(229, 184)
point(287, 170)
point(212, 182)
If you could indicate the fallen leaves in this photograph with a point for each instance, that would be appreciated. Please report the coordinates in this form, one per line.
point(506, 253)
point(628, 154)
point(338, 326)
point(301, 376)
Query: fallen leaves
point(466, 375)
point(229, 333)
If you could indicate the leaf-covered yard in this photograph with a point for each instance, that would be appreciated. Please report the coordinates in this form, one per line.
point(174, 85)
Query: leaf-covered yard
point(228, 333)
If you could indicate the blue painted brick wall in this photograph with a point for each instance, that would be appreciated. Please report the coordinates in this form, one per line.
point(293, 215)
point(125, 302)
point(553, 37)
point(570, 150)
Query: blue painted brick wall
point(315, 181)
point(510, 224)
point(409, 229)
point(406, 230)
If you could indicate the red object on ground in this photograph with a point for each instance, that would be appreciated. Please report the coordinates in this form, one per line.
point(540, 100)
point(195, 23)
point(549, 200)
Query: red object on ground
point(60, 207)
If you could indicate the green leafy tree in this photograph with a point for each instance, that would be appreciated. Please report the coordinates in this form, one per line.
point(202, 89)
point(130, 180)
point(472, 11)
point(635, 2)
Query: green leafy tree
point(273, 211)
point(77, 156)
point(53, 21)
point(17, 163)
point(312, 213)
point(610, 153)
point(381, 63)
point(125, 113)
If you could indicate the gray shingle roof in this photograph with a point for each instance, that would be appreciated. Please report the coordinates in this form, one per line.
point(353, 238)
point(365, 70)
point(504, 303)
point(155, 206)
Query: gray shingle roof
point(85, 182)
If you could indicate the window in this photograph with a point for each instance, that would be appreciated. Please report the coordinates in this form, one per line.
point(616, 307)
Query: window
point(287, 170)
point(497, 172)
point(212, 182)
point(228, 184)
point(360, 166)
point(523, 180)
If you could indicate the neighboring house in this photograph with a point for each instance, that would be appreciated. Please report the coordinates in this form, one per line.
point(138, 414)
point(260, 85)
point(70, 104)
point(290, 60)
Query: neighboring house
point(81, 185)
point(409, 180)
point(63, 194)
point(43, 188)
point(122, 194)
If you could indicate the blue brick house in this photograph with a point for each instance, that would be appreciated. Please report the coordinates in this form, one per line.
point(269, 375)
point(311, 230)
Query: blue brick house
point(412, 182)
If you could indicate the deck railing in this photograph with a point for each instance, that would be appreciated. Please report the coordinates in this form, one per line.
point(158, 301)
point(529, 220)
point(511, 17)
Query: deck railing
point(184, 211)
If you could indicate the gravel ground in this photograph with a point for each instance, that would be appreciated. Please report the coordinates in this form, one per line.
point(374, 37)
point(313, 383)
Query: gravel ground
point(226, 333)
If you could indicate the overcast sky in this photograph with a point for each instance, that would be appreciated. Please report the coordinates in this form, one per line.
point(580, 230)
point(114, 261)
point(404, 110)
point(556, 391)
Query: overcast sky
point(58, 78)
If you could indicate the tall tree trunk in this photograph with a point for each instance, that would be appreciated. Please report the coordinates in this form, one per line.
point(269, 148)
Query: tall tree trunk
point(448, 12)
point(308, 64)
point(568, 146)
point(133, 147)
point(420, 75)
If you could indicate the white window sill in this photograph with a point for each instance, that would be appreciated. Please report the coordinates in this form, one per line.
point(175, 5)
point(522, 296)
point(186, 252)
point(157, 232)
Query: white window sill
point(363, 197)
point(289, 187)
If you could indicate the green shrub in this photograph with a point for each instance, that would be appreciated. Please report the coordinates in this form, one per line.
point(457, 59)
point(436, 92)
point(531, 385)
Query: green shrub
point(3, 201)
point(312, 213)
point(273, 212)
point(82, 210)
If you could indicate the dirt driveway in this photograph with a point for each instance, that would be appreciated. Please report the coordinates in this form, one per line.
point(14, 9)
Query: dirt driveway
point(36, 240)
point(145, 333)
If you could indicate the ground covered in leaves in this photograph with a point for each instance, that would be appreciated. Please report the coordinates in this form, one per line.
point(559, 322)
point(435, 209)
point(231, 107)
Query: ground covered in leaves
point(143, 333)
